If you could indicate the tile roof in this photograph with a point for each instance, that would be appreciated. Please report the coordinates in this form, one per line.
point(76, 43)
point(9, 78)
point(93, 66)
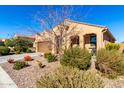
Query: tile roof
point(19, 35)
point(85, 23)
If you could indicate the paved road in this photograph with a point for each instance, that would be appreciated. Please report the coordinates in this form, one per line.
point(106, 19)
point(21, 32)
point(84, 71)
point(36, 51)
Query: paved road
point(3, 59)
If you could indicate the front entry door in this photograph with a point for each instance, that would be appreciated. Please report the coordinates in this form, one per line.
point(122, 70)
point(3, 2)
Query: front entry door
point(93, 43)
point(93, 39)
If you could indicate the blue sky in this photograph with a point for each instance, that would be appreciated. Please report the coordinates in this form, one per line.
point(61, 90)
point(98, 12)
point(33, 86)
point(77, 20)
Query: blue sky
point(16, 19)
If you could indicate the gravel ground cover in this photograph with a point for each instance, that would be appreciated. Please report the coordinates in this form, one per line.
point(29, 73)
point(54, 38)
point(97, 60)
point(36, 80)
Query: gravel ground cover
point(115, 83)
point(27, 77)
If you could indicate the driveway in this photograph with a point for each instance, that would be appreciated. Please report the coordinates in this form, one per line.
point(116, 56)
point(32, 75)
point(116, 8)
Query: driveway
point(3, 59)
point(5, 80)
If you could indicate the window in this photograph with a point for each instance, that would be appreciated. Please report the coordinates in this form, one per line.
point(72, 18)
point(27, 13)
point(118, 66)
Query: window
point(74, 40)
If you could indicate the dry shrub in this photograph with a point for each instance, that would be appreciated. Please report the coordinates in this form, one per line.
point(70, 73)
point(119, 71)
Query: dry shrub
point(66, 77)
point(110, 62)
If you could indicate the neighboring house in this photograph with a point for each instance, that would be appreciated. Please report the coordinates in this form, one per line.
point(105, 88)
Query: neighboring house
point(32, 38)
point(2, 42)
point(84, 35)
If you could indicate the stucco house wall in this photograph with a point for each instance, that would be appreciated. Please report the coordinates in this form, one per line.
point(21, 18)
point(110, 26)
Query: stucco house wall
point(83, 30)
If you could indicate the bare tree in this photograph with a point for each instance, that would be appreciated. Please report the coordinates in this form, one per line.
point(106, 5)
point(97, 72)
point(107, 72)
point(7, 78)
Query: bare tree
point(55, 18)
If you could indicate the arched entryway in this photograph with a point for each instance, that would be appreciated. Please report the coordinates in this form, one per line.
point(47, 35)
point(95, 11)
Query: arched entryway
point(90, 41)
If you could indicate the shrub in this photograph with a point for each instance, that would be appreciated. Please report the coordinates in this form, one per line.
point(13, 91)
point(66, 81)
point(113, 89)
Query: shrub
point(19, 44)
point(10, 60)
point(19, 65)
point(24, 49)
point(29, 51)
point(47, 54)
point(17, 52)
point(51, 58)
point(4, 50)
point(18, 49)
point(112, 75)
point(76, 57)
point(22, 42)
point(110, 62)
point(9, 43)
point(112, 46)
point(27, 58)
point(2, 44)
point(71, 78)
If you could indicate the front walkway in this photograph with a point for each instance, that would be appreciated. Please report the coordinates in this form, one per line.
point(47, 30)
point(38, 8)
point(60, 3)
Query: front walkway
point(93, 60)
point(3, 59)
point(5, 80)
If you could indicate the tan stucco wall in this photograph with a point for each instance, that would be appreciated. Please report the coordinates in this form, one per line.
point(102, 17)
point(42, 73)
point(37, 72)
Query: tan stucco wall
point(81, 30)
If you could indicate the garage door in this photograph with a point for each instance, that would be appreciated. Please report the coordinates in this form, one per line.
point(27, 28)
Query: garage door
point(44, 47)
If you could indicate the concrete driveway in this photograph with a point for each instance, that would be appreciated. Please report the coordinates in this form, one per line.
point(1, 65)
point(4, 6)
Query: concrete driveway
point(3, 59)
point(5, 80)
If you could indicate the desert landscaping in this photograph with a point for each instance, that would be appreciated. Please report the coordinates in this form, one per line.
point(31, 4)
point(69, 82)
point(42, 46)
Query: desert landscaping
point(59, 49)
point(27, 77)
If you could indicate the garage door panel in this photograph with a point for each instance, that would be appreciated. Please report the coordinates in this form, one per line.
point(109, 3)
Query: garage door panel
point(44, 47)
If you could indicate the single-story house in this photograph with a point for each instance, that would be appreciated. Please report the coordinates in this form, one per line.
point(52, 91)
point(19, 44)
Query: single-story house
point(84, 35)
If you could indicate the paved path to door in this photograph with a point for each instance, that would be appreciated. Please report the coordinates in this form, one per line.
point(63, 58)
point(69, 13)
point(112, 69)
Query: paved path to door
point(3, 59)
point(5, 80)
point(93, 60)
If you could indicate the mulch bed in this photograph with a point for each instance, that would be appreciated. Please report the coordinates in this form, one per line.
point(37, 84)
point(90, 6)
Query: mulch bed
point(27, 77)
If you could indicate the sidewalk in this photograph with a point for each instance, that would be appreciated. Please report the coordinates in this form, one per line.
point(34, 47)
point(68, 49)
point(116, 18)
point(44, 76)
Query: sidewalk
point(5, 80)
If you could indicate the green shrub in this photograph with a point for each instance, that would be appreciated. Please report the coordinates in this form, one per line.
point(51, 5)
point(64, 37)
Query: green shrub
point(18, 49)
point(76, 57)
point(4, 50)
point(65, 77)
point(2, 44)
point(29, 51)
point(17, 52)
point(9, 43)
point(19, 44)
point(24, 49)
point(19, 65)
point(112, 46)
point(51, 58)
point(47, 54)
point(110, 62)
